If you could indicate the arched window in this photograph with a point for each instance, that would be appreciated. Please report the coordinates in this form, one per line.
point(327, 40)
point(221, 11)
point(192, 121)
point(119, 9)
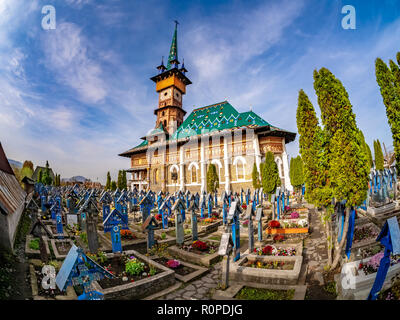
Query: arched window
point(219, 168)
point(239, 164)
point(193, 167)
point(174, 170)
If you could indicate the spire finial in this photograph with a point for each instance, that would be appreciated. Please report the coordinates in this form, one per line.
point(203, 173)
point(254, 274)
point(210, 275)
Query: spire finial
point(173, 51)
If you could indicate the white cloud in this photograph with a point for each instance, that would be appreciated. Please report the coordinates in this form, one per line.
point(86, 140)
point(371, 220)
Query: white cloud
point(67, 55)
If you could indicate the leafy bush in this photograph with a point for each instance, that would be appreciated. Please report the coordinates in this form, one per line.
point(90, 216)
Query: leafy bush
point(134, 267)
point(34, 244)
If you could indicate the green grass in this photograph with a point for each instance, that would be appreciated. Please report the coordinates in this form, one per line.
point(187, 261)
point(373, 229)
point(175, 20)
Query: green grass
point(34, 244)
point(248, 293)
point(23, 228)
point(330, 288)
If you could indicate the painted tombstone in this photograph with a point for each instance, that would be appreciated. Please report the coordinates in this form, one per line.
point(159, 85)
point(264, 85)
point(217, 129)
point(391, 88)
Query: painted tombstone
point(224, 201)
point(165, 212)
point(150, 225)
point(113, 224)
point(249, 216)
point(202, 206)
point(193, 207)
point(278, 198)
point(145, 206)
point(209, 204)
point(259, 215)
point(78, 269)
point(177, 208)
point(233, 217)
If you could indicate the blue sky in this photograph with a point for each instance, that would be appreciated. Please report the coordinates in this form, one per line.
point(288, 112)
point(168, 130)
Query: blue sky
point(80, 94)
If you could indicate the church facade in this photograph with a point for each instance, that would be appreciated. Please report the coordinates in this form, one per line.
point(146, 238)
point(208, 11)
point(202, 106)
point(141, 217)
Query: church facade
point(176, 154)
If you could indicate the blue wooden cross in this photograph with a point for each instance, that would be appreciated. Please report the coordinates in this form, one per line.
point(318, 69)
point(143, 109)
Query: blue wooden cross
point(259, 215)
point(79, 269)
point(114, 222)
point(150, 225)
point(209, 205)
point(193, 206)
point(233, 217)
point(389, 237)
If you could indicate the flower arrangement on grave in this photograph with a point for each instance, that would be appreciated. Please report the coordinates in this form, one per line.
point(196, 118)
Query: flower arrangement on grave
point(215, 215)
point(207, 220)
point(245, 223)
point(373, 264)
point(268, 265)
point(127, 235)
point(365, 232)
point(200, 245)
point(287, 209)
point(133, 266)
point(274, 224)
point(270, 250)
point(278, 238)
point(294, 215)
point(158, 217)
point(173, 263)
point(244, 206)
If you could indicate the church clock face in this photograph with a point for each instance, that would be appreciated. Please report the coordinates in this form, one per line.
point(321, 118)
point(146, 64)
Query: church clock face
point(165, 94)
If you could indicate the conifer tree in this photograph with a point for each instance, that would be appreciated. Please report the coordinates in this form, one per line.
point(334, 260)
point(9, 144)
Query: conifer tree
point(40, 176)
point(255, 177)
point(378, 155)
point(269, 174)
point(212, 178)
point(108, 182)
point(113, 186)
point(346, 155)
point(389, 83)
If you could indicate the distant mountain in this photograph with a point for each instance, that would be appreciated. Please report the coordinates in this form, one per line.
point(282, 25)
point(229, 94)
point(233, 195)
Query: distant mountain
point(15, 163)
point(75, 179)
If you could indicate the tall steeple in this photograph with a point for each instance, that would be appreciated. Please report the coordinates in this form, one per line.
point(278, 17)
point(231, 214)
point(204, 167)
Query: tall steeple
point(173, 51)
point(171, 82)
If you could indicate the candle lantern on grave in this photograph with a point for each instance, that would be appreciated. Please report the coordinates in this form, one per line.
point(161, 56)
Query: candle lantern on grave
point(79, 269)
point(193, 206)
point(233, 218)
point(179, 231)
point(150, 225)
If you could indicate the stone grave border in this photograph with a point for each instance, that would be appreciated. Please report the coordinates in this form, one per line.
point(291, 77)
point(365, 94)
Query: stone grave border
point(205, 260)
point(298, 246)
point(56, 253)
point(35, 253)
point(141, 288)
point(71, 295)
point(189, 277)
point(366, 242)
point(363, 282)
point(233, 290)
point(240, 273)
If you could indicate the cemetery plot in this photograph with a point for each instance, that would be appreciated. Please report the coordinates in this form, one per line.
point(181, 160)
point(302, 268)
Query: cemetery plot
point(199, 252)
point(362, 274)
point(38, 291)
point(249, 293)
point(365, 235)
point(184, 271)
point(283, 249)
point(61, 247)
point(136, 276)
point(32, 246)
point(266, 269)
point(278, 227)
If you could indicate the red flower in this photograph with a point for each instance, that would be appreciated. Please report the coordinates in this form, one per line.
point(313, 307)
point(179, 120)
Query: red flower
point(274, 224)
point(279, 237)
point(200, 245)
point(267, 250)
point(158, 217)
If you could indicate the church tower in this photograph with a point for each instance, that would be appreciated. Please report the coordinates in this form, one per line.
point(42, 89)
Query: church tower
point(171, 83)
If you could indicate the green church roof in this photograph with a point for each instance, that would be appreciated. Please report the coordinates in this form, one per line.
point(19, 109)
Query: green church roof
point(215, 117)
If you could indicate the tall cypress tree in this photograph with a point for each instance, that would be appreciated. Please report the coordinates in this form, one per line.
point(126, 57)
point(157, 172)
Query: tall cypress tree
point(40, 176)
point(255, 177)
point(212, 178)
point(389, 83)
point(108, 182)
point(378, 155)
point(269, 174)
point(346, 155)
